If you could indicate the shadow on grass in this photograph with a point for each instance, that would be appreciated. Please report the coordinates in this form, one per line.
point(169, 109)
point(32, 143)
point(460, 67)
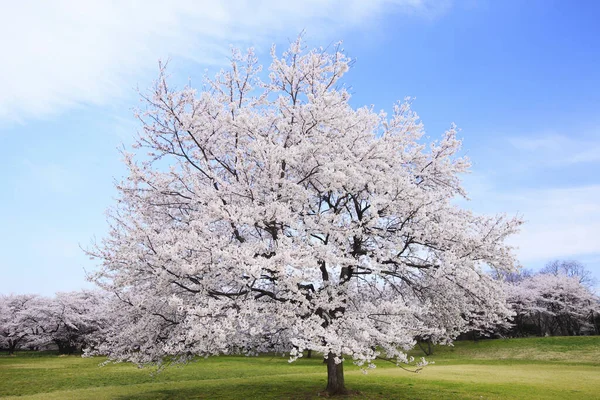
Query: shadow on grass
point(294, 389)
point(33, 354)
point(256, 390)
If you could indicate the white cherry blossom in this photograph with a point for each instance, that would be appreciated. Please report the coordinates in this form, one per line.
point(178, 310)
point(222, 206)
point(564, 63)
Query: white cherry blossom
point(270, 215)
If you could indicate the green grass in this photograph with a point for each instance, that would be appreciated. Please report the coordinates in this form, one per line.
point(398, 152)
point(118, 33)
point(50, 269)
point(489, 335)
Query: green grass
point(535, 368)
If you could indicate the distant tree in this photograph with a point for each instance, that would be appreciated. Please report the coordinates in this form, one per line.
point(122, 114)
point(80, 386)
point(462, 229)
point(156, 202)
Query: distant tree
point(570, 268)
point(554, 304)
point(512, 276)
point(16, 329)
point(263, 215)
point(523, 300)
point(67, 319)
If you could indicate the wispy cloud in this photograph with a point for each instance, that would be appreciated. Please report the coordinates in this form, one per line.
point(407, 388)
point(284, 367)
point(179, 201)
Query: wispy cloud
point(557, 150)
point(60, 54)
point(560, 222)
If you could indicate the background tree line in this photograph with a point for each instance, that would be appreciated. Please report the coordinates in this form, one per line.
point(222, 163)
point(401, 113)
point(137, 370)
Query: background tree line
point(67, 322)
point(556, 301)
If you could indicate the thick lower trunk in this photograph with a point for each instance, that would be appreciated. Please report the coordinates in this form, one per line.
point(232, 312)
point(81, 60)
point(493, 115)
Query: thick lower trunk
point(427, 350)
point(309, 354)
point(12, 346)
point(65, 348)
point(335, 376)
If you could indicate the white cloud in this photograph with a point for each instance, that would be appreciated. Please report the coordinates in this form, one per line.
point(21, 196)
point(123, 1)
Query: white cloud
point(64, 53)
point(557, 150)
point(550, 142)
point(560, 222)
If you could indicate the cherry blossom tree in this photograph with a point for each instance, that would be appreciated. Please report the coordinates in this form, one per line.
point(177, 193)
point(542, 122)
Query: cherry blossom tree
point(553, 304)
point(68, 319)
point(571, 268)
point(16, 330)
point(265, 213)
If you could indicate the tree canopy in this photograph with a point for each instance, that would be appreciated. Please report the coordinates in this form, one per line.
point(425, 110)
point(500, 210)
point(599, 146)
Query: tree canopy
point(264, 213)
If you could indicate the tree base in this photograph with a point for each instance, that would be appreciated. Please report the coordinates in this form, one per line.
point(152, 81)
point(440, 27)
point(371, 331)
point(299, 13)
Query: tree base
point(347, 393)
point(335, 377)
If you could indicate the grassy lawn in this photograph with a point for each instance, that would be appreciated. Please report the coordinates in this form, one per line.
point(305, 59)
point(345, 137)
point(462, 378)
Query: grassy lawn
point(537, 368)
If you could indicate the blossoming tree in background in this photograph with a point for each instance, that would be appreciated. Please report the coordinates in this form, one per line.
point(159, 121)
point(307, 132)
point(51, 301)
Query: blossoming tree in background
point(16, 329)
point(548, 304)
point(270, 215)
point(68, 320)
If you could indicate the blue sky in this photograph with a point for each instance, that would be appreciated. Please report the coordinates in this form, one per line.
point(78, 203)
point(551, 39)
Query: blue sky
point(520, 78)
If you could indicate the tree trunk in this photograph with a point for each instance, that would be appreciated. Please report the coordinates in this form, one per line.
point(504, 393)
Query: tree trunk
point(428, 351)
point(309, 353)
point(595, 324)
point(335, 376)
